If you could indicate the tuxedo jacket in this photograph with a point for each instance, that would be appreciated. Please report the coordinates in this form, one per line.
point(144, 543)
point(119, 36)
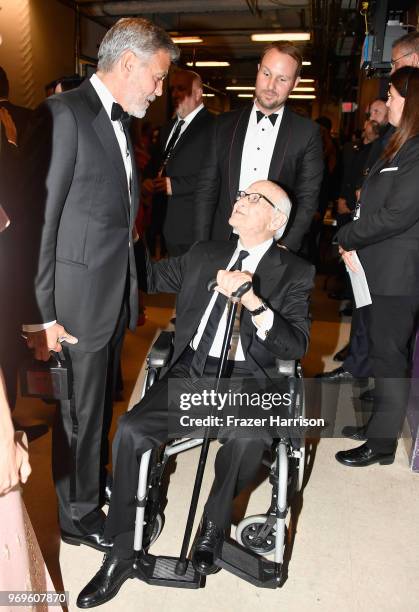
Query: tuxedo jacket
point(183, 169)
point(386, 235)
point(79, 218)
point(282, 280)
point(296, 165)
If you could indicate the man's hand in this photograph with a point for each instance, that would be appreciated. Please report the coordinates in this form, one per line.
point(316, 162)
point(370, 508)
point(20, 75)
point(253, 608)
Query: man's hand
point(347, 257)
point(343, 207)
point(162, 185)
point(9, 126)
point(147, 185)
point(14, 462)
point(46, 340)
point(228, 282)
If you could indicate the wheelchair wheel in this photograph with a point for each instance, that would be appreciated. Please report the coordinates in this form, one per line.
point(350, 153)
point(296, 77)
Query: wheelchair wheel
point(156, 531)
point(247, 534)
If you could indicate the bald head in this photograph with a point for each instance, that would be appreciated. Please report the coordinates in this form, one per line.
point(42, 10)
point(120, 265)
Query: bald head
point(186, 91)
point(257, 219)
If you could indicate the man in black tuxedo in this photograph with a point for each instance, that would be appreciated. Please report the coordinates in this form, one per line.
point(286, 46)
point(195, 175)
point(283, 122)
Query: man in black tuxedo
point(184, 143)
point(83, 291)
point(274, 323)
point(263, 141)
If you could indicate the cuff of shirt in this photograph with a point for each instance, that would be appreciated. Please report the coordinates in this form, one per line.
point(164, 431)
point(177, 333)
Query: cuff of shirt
point(265, 324)
point(38, 327)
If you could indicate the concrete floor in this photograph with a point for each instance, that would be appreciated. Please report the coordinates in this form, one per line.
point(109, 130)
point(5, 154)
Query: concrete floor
point(356, 546)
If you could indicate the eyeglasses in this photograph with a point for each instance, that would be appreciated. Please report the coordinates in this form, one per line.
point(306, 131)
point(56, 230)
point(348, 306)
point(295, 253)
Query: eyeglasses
point(394, 61)
point(254, 198)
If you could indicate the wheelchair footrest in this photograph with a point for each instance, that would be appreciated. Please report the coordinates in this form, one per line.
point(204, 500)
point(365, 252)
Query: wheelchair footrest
point(248, 565)
point(161, 571)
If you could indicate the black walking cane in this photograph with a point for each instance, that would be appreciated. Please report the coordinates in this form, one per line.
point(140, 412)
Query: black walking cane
point(233, 302)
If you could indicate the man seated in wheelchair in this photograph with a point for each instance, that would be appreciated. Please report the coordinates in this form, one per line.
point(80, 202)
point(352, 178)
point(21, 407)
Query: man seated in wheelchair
point(273, 323)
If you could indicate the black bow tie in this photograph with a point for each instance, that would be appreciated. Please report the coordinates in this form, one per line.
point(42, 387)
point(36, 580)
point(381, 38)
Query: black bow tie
point(272, 118)
point(118, 114)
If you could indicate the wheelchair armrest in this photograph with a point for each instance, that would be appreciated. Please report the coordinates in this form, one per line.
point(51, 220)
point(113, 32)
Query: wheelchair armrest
point(286, 367)
point(161, 351)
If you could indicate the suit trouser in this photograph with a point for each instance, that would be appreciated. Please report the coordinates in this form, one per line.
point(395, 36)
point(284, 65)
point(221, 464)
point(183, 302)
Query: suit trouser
point(146, 427)
point(358, 361)
point(80, 435)
point(391, 327)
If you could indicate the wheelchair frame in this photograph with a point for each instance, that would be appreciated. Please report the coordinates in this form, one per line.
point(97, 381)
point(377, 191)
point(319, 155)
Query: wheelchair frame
point(255, 534)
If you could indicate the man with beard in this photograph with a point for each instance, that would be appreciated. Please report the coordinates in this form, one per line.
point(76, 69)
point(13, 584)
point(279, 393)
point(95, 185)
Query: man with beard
point(265, 140)
point(79, 255)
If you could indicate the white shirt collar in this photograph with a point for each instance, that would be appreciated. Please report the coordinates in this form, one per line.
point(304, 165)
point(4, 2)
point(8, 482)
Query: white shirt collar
point(104, 94)
point(192, 115)
point(279, 113)
point(258, 250)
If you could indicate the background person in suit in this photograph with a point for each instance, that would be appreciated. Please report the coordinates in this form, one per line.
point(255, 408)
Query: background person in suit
point(386, 237)
point(182, 158)
point(282, 282)
point(263, 141)
point(81, 265)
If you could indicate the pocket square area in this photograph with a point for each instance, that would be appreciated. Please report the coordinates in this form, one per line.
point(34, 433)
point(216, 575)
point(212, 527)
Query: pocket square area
point(393, 169)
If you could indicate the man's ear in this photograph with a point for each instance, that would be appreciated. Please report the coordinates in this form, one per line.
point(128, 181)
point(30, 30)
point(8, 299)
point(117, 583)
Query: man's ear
point(127, 62)
point(297, 81)
point(278, 220)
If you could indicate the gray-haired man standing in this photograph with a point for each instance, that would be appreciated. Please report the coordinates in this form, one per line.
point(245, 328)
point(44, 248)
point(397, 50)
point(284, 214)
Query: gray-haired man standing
point(83, 288)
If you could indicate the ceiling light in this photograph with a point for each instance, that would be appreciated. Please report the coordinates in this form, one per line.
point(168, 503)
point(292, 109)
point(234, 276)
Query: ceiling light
point(274, 36)
point(306, 80)
point(208, 95)
point(303, 96)
point(245, 95)
point(297, 89)
point(210, 64)
point(186, 40)
point(306, 63)
point(240, 87)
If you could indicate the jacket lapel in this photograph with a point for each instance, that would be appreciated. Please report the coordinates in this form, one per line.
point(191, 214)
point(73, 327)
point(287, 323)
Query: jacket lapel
point(106, 135)
point(217, 259)
point(266, 278)
point(281, 145)
point(236, 150)
point(190, 130)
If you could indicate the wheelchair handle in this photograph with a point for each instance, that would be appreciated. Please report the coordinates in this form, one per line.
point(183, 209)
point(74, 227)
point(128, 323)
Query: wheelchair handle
point(237, 294)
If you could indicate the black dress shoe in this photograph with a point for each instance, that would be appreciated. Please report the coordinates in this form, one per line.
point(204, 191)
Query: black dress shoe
point(94, 540)
point(342, 354)
point(206, 548)
point(355, 433)
point(337, 375)
point(106, 583)
point(362, 456)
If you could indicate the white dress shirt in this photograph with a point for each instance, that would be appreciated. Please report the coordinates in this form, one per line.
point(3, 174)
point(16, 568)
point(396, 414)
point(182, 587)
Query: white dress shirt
point(107, 100)
point(187, 121)
point(249, 264)
point(258, 148)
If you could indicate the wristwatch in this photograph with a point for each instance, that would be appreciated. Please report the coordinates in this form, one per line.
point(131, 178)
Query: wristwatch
point(262, 308)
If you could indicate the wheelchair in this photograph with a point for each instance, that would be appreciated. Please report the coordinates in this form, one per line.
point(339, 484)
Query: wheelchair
point(256, 537)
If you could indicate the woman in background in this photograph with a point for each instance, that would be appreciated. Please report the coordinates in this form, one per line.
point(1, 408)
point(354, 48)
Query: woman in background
point(385, 233)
